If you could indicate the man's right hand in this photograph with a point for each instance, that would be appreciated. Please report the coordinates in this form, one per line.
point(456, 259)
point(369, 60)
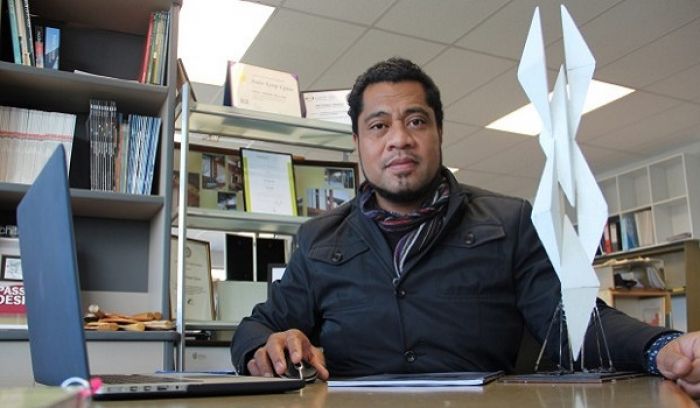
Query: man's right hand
point(269, 359)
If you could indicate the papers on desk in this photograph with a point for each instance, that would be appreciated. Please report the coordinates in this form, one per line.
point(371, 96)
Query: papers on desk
point(469, 378)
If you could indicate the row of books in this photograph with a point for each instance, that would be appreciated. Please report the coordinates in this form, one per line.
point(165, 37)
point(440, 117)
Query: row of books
point(156, 49)
point(28, 137)
point(628, 231)
point(37, 46)
point(122, 149)
point(637, 229)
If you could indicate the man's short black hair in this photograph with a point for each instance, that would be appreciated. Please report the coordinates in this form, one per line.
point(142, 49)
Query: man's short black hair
point(394, 70)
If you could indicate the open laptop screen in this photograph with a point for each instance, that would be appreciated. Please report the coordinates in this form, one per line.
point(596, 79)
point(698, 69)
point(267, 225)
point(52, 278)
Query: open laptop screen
point(49, 264)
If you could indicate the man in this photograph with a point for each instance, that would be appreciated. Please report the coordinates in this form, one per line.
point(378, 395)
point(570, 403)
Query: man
point(420, 273)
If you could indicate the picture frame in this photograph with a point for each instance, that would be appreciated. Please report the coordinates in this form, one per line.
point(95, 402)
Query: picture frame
point(214, 178)
point(10, 268)
point(324, 185)
point(268, 182)
point(199, 288)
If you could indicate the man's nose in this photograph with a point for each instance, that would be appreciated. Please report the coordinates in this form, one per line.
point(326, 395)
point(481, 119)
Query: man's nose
point(399, 136)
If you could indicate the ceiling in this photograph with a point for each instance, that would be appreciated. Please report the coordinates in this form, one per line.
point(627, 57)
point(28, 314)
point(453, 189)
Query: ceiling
point(471, 48)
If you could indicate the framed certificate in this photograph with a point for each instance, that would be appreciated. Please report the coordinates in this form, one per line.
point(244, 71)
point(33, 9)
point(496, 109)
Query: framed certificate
point(262, 89)
point(268, 179)
point(329, 105)
point(323, 185)
point(199, 299)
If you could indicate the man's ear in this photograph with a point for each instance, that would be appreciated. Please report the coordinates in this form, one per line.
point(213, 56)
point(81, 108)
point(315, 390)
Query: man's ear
point(440, 135)
point(355, 139)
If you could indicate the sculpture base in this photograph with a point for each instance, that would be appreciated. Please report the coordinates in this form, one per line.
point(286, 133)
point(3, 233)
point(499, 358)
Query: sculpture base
point(575, 377)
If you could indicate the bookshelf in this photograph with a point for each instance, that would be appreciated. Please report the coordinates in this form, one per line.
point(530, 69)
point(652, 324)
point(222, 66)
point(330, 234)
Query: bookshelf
point(656, 203)
point(681, 273)
point(123, 240)
point(226, 123)
point(666, 191)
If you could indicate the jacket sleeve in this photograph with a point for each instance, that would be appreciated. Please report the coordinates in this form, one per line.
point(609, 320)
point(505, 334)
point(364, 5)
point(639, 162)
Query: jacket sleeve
point(627, 337)
point(539, 292)
point(289, 306)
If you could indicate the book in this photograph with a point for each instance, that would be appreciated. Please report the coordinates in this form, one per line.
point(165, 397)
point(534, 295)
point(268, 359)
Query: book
point(164, 53)
point(12, 298)
point(52, 44)
point(645, 229)
point(614, 224)
point(462, 378)
point(39, 46)
point(21, 32)
point(14, 31)
point(146, 50)
point(28, 34)
point(607, 242)
point(628, 227)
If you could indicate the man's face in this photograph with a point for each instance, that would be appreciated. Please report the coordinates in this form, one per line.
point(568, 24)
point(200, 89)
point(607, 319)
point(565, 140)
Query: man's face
point(398, 141)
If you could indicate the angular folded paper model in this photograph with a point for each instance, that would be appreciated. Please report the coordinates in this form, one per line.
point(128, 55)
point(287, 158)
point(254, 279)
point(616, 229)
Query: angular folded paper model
point(566, 176)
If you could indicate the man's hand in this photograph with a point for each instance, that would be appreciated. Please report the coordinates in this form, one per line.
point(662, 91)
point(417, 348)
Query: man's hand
point(679, 360)
point(269, 359)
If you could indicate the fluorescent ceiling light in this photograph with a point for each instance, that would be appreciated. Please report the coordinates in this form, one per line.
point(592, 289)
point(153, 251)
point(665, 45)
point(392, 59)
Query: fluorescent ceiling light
point(526, 121)
point(213, 32)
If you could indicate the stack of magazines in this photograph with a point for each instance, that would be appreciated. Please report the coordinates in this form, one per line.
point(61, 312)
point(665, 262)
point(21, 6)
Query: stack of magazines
point(28, 137)
point(122, 149)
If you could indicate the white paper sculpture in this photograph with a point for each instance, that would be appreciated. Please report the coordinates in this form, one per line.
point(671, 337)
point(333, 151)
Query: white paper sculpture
point(566, 174)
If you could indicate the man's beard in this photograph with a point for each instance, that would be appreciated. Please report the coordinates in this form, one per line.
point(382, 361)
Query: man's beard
point(407, 196)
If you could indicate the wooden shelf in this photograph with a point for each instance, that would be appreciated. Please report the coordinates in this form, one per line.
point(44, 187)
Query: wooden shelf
point(59, 91)
point(620, 292)
point(681, 270)
point(86, 203)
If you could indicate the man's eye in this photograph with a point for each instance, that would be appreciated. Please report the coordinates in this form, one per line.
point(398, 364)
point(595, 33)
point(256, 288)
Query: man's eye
point(416, 122)
point(377, 126)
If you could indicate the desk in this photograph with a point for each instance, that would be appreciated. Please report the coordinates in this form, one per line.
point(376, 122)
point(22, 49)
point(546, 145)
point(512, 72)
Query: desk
point(637, 392)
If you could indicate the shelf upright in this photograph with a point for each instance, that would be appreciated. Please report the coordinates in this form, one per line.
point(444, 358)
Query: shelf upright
point(231, 122)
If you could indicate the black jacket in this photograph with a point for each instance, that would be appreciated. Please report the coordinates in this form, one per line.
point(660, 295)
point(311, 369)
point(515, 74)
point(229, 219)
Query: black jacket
point(461, 305)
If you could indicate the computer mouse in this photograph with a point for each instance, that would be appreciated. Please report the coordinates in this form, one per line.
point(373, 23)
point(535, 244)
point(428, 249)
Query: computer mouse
point(302, 370)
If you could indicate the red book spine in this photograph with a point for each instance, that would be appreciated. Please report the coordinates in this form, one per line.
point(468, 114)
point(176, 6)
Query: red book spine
point(146, 50)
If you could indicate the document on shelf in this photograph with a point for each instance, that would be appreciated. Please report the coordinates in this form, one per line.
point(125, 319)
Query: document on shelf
point(417, 380)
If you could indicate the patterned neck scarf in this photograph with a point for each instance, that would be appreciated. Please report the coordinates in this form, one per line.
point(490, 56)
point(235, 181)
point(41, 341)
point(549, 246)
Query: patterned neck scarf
point(420, 226)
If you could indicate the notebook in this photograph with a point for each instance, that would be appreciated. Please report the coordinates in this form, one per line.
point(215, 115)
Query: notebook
point(450, 379)
point(54, 313)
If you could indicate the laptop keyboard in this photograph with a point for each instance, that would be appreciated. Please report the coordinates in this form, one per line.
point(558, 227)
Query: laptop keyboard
point(138, 379)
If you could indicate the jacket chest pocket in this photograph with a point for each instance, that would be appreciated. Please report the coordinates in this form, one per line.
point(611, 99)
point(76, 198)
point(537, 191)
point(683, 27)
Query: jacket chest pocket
point(337, 254)
point(475, 263)
point(341, 274)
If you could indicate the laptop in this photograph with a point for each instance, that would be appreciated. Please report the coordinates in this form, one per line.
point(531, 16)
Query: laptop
point(54, 313)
